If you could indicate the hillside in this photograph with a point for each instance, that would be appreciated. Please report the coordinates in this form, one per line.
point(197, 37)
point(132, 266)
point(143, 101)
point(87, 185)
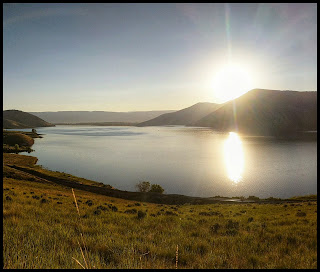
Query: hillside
point(98, 116)
point(266, 112)
point(106, 231)
point(19, 119)
point(183, 117)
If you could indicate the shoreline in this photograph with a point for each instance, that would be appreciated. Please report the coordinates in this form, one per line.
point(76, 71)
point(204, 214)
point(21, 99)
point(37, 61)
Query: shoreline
point(67, 180)
point(50, 176)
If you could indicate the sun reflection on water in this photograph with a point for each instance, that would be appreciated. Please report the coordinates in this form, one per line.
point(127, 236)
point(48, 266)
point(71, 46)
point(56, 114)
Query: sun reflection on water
point(234, 157)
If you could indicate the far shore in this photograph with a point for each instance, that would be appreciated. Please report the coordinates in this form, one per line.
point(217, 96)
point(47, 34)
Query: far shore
point(99, 124)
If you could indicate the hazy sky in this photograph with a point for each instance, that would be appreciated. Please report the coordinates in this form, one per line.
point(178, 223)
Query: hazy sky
point(129, 57)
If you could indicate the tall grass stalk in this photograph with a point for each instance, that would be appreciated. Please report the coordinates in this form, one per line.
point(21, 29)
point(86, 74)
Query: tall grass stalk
point(82, 238)
point(177, 251)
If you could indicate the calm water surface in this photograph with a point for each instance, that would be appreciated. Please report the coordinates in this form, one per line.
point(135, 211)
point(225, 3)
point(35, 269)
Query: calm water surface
point(183, 160)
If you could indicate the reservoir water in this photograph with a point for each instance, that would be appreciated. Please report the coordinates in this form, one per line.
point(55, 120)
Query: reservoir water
point(183, 160)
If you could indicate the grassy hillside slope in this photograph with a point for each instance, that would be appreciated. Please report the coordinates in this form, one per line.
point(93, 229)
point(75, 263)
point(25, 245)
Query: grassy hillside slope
point(43, 228)
point(20, 119)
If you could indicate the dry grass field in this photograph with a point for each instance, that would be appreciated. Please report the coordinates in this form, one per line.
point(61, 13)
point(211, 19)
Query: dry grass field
point(43, 229)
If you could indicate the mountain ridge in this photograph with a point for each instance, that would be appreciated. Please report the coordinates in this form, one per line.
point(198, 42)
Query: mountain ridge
point(265, 112)
point(98, 116)
point(183, 117)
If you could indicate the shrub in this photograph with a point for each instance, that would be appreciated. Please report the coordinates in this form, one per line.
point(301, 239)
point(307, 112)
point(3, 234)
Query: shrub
point(97, 212)
point(301, 214)
point(232, 225)
point(156, 188)
point(114, 209)
point(253, 198)
point(141, 214)
point(231, 232)
point(101, 207)
point(171, 213)
point(89, 202)
point(143, 186)
point(214, 228)
point(131, 211)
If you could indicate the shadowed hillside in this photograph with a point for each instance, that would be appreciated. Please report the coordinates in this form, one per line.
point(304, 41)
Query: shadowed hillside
point(98, 116)
point(183, 117)
point(266, 112)
point(20, 119)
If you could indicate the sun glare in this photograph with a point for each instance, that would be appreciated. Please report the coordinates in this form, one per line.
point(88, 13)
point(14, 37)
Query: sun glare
point(234, 157)
point(231, 82)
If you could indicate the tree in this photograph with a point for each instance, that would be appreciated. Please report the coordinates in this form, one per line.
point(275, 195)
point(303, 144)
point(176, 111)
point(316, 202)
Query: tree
point(156, 188)
point(34, 130)
point(143, 186)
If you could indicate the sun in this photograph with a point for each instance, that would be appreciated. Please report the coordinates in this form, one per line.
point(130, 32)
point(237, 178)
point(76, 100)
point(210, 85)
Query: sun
point(231, 81)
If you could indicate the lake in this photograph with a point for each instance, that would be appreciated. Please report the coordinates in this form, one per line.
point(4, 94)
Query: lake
point(183, 160)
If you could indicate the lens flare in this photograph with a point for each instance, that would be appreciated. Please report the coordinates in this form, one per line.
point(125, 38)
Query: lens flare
point(231, 82)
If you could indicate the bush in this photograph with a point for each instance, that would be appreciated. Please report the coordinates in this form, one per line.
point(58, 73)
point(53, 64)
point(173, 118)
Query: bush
point(143, 186)
point(101, 207)
point(97, 212)
point(89, 202)
point(141, 214)
point(156, 188)
point(253, 198)
point(232, 225)
point(114, 208)
point(301, 214)
point(214, 228)
point(131, 211)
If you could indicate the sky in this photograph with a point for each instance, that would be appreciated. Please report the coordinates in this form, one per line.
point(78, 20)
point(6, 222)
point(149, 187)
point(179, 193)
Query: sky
point(138, 56)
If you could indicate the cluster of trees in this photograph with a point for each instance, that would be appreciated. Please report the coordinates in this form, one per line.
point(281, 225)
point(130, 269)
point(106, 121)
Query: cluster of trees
point(146, 186)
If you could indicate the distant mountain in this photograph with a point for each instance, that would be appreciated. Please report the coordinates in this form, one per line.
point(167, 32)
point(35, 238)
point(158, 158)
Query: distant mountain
point(183, 117)
point(98, 116)
point(265, 112)
point(19, 119)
